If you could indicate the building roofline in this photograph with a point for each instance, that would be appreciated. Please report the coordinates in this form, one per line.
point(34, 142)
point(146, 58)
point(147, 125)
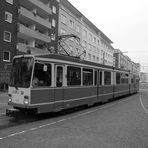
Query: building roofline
point(68, 5)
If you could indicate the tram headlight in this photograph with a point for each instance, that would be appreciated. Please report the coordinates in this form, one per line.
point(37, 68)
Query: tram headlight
point(10, 100)
point(26, 100)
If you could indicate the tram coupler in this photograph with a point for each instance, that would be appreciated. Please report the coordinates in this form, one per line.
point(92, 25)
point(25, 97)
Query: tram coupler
point(12, 112)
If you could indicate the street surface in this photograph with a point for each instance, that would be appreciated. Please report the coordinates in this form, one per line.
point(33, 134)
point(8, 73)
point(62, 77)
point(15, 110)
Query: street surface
point(119, 124)
point(3, 102)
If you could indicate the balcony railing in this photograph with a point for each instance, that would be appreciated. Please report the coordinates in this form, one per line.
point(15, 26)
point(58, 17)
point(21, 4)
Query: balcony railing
point(32, 33)
point(33, 17)
point(40, 6)
point(24, 48)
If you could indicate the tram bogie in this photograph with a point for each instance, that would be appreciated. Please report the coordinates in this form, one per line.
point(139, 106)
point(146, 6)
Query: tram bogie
point(50, 83)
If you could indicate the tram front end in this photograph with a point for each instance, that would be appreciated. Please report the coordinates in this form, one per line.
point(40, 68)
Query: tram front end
point(19, 90)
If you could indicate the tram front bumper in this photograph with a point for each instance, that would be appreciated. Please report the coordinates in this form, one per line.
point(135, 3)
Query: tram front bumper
point(12, 112)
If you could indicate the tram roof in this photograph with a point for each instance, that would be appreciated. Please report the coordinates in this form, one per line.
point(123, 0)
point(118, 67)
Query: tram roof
point(72, 59)
point(77, 60)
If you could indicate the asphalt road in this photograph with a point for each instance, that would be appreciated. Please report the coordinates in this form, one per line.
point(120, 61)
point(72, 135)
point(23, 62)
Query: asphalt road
point(3, 102)
point(119, 124)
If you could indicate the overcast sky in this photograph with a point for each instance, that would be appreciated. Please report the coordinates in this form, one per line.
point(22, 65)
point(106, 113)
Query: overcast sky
point(125, 22)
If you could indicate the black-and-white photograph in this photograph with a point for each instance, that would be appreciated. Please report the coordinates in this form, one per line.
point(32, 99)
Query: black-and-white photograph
point(73, 74)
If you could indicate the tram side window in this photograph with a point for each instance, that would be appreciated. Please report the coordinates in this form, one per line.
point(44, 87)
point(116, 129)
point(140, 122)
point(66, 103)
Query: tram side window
point(42, 75)
point(107, 78)
point(87, 76)
point(59, 81)
point(100, 78)
point(124, 78)
point(137, 80)
point(96, 73)
point(132, 80)
point(118, 78)
point(73, 76)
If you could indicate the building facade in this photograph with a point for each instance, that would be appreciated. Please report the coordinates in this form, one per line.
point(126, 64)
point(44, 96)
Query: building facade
point(124, 62)
point(143, 77)
point(8, 38)
point(96, 44)
point(70, 24)
point(26, 26)
point(37, 26)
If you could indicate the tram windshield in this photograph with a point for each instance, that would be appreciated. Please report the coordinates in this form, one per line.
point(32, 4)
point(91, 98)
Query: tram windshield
point(21, 72)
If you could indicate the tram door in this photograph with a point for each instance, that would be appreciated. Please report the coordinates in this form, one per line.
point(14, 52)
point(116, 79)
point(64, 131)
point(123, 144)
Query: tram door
point(59, 91)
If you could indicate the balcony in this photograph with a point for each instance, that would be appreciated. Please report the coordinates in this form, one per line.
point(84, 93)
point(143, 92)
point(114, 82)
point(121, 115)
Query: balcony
point(24, 14)
point(24, 48)
point(24, 31)
point(42, 8)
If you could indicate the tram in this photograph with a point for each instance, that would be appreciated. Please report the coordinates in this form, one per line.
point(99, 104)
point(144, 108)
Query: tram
point(51, 83)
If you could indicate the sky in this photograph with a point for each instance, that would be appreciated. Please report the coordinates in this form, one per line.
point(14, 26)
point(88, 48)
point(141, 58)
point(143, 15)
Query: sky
point(125, 22)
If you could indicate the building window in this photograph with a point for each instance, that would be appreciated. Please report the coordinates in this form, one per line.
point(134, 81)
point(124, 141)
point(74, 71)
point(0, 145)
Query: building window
point(78, 29)
point(89, 47)
point(63, 19)
point(94, 40)
point(54, 9)
point(98, 50)
point(7, 36)
point(53, 22)
point(6, 56)
point(71, 24)
point(89, 56)
point(84, 33)
point(98, 42)
point(94, 58)
point(9, 1)
point(8, 17)
point(90, 36)
point(97, 59)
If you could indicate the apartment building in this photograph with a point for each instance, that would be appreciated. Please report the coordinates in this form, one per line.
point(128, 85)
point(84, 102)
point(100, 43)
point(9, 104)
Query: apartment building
point(26, 26)
point(8, 38)
point(70, 24)
point(91, 41)
point(96, 44)
point(143, 77)
point(37, 26)
point(124, 62)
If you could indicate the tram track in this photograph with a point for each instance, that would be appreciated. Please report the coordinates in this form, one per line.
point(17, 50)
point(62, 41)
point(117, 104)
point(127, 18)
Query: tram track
point(7, 122)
